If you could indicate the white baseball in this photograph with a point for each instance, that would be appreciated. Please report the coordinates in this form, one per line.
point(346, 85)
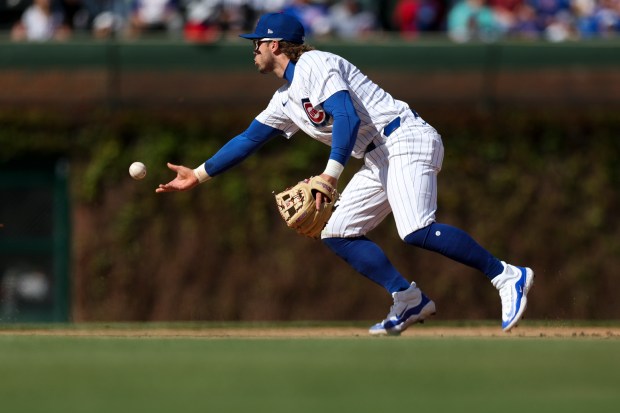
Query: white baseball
point(137, 170)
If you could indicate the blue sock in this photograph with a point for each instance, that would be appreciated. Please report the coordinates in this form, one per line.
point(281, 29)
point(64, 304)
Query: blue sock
point(369, 260)
point(457, 245)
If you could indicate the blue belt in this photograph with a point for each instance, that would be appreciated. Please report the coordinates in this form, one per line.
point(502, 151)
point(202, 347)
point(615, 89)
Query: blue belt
point(387, 131)
point(392, 126)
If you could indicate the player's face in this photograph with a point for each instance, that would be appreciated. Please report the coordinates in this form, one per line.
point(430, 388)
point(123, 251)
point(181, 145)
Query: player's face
point(263, 57)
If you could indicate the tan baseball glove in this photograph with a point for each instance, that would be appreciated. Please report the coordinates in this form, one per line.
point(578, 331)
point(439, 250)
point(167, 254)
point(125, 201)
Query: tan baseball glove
point(297, 205)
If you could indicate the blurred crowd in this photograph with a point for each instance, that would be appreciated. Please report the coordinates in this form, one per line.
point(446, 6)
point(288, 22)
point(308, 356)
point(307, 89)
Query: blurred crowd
point(210, 20)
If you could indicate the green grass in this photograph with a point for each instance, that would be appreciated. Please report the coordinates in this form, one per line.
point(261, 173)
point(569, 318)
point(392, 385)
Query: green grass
point(89, 374)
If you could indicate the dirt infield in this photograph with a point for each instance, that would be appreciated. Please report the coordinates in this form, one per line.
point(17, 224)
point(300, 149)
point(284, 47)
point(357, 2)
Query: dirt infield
point(320, 332)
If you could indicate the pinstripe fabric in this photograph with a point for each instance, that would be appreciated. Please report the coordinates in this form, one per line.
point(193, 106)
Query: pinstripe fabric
point(318, 75)
point(399, 176)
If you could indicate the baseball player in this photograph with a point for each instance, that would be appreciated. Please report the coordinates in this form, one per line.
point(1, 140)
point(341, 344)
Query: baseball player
point(330, 100)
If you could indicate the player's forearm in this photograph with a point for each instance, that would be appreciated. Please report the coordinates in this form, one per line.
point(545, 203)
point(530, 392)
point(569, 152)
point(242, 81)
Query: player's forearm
point(231, 154)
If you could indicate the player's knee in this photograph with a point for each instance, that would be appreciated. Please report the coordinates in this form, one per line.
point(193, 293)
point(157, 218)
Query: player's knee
point(337, 245)
point(419, 236)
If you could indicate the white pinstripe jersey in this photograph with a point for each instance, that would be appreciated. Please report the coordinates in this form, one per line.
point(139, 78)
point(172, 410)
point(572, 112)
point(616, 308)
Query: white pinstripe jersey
point(318, 75)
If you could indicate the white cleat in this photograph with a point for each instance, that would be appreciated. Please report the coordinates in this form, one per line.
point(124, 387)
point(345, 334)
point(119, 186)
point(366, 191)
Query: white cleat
point(513, 285)
point(410, 306)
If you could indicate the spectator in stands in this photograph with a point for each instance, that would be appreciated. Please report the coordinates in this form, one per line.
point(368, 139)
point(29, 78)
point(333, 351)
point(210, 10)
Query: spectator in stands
point(76, 14)
point(585, 21)
point(472, 20)
point(40, 22)
point(202, 20)
point(432, 15)
point(412, 17)
point(406, 18)
point(607, 16)
point(524, 24)
point(350, 21)
point(596, 18)
point(555, 19)
point(313, 16)
point(267, 6)
point(152, 16)
point(111, 17)
point(506, 12)
point(560, 28)
point(549, 11)
point(209, 20)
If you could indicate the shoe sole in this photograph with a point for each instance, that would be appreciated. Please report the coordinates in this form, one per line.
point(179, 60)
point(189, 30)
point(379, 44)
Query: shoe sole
point(529, 282)
point(428, 310)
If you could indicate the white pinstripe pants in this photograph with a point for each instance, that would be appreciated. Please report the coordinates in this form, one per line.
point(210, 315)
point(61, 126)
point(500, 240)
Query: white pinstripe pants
point(398, 176)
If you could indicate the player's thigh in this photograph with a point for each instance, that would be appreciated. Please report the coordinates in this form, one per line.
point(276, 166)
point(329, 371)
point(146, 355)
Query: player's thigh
point(362, 206)
point(412, 193)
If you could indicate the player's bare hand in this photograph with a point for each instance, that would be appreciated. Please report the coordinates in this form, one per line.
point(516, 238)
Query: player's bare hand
point(184, 180)
point(320, 198)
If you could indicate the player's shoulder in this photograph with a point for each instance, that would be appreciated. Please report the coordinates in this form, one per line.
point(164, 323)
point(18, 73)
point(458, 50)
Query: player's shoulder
point(315, 54)
point(318, 58)
point(281, 93)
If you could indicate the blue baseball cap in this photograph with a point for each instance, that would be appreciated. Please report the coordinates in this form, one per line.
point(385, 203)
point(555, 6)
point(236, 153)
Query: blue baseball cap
point(278, 26)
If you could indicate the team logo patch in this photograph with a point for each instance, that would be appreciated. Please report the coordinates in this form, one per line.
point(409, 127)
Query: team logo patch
point(317, 116)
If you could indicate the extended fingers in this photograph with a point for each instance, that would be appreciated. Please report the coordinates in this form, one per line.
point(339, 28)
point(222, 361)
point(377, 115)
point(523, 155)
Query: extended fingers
point(164, 188)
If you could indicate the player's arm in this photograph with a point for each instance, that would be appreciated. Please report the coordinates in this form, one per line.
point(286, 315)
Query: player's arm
point(344, 131)
point(344, 134)
point(231, 154)
point(237, 149)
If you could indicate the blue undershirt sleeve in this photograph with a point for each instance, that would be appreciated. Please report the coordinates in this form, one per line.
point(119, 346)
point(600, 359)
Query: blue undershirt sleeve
point(240, 147)
point(345, 126)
